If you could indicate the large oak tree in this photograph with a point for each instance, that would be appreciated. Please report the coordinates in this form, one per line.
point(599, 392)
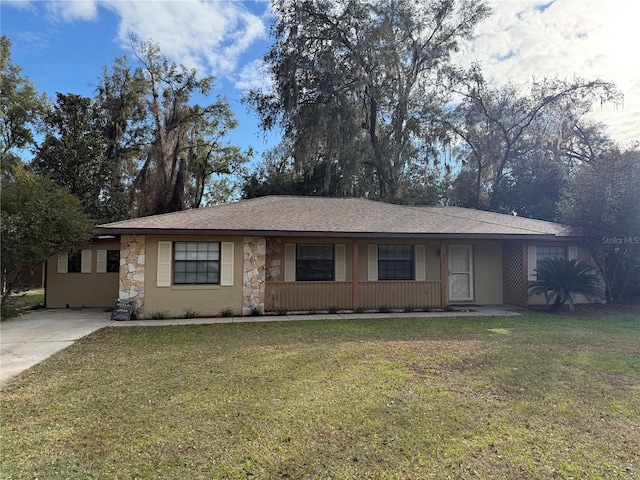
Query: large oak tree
point(356, 83)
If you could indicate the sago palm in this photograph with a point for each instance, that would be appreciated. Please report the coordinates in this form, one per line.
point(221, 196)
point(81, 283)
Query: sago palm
point(562, 280)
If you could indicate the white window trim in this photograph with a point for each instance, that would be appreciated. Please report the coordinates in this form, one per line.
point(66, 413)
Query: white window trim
point(165, 266)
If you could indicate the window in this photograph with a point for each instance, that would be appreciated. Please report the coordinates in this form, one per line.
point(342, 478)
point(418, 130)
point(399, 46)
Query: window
point(196, 263)
point(395, 262)
point(536, 254)
point(113, 261)
point(314, 262)
point(550, 252)
point(74, 260)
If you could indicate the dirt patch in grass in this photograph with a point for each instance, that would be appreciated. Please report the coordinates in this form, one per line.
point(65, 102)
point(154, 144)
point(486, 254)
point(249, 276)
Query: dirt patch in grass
point(622, 380)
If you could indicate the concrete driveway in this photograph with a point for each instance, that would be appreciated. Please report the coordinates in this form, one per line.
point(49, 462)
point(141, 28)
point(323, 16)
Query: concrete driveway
point(34, 336)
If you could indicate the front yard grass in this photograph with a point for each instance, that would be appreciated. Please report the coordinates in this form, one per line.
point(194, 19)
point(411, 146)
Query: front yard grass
point(537, 396)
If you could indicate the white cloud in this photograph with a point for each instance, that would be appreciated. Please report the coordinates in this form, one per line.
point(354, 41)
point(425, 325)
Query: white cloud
point(208, 35)
point(20, 4)
point(566, 38)
point(72, 10)
point(253, 76)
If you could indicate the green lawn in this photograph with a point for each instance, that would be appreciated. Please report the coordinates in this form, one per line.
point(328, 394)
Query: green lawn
point(538, 396)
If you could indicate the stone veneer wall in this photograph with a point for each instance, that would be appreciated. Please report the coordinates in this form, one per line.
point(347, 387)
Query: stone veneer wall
point(253, 274)
point(274, 268)
point(274, 259)
point(132, 264)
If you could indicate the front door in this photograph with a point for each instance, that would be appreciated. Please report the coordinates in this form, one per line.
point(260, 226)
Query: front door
point(460, 272)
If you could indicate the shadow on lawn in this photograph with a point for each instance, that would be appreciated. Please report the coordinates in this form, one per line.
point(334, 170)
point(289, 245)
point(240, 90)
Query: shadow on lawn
point(590, 310)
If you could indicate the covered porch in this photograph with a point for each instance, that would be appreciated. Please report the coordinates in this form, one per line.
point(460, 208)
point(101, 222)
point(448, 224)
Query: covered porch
point(446, 272)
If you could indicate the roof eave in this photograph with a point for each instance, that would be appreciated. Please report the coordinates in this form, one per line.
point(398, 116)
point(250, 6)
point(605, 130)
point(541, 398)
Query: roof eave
point(325, 234)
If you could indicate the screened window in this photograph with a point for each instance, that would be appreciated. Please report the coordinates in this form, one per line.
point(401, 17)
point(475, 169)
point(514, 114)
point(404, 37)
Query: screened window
point(75, 262)
point(113, 261)
point(314, 263)
point(550, 252)
point(196, 263)
point(395, 262)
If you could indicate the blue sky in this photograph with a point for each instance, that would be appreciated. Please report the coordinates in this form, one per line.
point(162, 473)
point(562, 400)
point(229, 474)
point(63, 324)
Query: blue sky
point(62, 46)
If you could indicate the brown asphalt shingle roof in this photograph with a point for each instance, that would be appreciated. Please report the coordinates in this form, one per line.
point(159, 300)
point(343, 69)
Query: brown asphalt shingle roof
point(310, 216)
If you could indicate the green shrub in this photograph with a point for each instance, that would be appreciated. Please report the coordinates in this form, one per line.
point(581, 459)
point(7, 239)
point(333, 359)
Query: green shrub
point(8, 310)
point(560, 280)
point(158, 315)
point(227, 312)
point(190, 313)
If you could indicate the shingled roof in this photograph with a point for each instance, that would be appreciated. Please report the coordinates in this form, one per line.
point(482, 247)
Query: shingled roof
point(335, 217)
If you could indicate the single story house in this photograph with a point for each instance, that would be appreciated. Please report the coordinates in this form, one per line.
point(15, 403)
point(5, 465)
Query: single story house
point(281, 253)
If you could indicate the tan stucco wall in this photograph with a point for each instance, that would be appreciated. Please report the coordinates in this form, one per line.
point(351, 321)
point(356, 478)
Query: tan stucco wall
point(206, 300)
point(101, 290)
point(82, 289)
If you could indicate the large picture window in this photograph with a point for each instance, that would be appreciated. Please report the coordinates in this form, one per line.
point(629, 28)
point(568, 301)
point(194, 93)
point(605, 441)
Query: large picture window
point(550, 252)
point(395, 262)
point(314, 262)
point(196, 263)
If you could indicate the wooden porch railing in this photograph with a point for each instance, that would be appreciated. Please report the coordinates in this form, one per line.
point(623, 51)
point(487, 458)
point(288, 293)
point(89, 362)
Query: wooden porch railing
point(300, 296)
point(397, 295)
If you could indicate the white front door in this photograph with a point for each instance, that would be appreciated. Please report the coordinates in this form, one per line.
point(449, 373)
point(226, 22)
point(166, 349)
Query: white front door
point(460, 272)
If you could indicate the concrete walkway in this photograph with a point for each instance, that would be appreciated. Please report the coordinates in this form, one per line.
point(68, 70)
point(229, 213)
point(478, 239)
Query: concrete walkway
point(34, 336)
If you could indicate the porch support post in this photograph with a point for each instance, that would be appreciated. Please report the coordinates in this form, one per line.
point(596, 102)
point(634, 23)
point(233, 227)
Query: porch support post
point(356, 299)
point(254, 253)
point(444, 278)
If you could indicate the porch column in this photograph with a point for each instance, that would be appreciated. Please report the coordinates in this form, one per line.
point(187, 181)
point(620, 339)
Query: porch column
point(253, 274)
point(356, 297)
point(444, 276)
point(132, 266)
